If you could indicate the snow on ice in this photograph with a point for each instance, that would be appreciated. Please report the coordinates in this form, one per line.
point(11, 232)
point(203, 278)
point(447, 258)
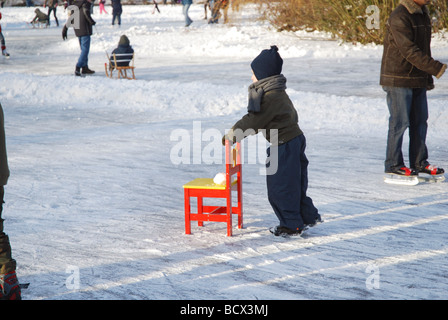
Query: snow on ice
point(94, 205)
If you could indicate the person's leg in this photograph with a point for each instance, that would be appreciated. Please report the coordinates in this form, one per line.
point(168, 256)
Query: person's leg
point(284, 186)
point(399, 101)
point(56, 18)
point(84, 43)
point(418, 152)
point(48, 14)
point(188, 21)
point(308, 211)
point(9, 285)
point(3, 45)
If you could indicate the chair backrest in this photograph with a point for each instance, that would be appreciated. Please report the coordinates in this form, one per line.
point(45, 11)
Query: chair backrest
point(123, 59)
point(233, 161)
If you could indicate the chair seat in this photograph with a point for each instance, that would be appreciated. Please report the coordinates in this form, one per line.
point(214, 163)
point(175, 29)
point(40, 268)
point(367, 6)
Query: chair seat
point(206, 183)
point(201, 188)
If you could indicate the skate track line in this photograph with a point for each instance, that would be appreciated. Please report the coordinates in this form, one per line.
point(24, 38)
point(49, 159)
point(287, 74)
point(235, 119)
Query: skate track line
point(292, 245)
point(406, 207)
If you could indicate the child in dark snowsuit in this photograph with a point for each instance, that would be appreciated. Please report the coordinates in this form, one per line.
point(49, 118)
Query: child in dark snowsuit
point(271, 111)
point(125, 52)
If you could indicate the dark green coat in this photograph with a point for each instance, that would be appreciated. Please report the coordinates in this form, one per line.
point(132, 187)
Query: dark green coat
point(4, 170)
point(276, 112)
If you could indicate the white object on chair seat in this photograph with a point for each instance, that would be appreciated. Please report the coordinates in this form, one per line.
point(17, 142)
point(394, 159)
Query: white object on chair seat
point(220, 178)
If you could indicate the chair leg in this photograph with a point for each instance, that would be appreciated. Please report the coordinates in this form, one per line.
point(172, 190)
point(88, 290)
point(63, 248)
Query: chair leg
point(200, 211)
point(229, 215)
point(187, 212)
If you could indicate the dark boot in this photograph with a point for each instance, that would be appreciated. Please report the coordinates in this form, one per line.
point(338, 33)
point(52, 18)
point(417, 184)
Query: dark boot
point(86, 70)
point(78, 71)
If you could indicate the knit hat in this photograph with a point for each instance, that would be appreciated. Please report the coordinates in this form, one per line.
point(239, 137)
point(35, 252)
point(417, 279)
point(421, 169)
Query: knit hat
point(124, 41)
point(267, 64)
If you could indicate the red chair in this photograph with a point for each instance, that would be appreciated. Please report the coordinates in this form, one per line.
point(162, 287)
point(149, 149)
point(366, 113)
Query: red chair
point(201, 188)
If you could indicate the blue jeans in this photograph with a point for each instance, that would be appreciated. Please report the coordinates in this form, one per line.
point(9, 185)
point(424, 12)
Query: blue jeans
point(408, 108)
point(84, 43)
point(116, 16)
point(185, 9)
point(288, 185)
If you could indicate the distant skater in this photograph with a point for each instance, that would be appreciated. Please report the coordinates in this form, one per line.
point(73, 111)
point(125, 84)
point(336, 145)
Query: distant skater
point(101, 5)
point(2, 41)
point(52, 6)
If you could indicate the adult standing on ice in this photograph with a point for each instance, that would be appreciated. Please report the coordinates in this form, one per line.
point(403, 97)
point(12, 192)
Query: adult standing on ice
point(9, 286)
point(271, 111)
point(406, 74)
point(82, 23)
point(52, 6)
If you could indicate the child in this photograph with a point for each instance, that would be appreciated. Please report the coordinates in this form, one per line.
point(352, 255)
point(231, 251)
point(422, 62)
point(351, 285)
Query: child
point(2, 41)
point(271, 111)
point(124, 48)
point(40, 17)
point(101, 4)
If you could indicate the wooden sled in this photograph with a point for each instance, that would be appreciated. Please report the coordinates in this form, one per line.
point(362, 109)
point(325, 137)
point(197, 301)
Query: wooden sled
point(121, 71)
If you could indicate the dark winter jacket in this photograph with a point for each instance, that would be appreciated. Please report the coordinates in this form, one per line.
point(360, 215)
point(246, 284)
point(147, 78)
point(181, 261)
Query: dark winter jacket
point(4, 170)
point(277, 112)
point(83, 18)
point(407, 60)
point(116, 7)
point(123, 48)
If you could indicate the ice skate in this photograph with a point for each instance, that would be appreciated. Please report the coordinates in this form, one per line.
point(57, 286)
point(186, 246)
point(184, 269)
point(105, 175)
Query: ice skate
point(431, 173)
point(285, 232)
point(5, 53)
point(402, 176)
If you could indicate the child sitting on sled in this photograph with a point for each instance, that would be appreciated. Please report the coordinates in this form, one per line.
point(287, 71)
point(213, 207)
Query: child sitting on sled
point(124, 52)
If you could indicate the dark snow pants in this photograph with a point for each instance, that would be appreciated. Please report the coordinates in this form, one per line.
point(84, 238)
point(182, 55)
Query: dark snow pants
point(288, 185)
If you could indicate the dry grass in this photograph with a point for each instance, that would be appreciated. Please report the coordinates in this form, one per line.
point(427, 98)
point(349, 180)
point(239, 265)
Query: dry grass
point(348, 20)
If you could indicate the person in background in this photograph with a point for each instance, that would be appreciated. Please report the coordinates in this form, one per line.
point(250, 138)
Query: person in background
point(117, 10)
point(2, 41)
point(407, 71)
point(52, 6)
point(185, 7)
point(83, 32)
point(125, 51)
point(101, 5)
point(9, 285)
point(40, 17)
